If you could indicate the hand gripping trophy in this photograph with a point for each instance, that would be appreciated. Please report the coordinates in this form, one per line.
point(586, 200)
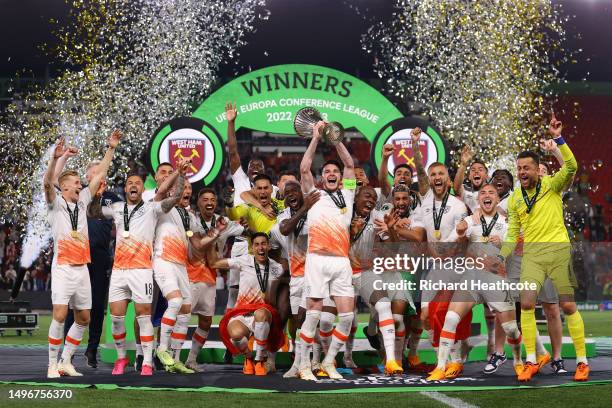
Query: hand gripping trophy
point(305, 120)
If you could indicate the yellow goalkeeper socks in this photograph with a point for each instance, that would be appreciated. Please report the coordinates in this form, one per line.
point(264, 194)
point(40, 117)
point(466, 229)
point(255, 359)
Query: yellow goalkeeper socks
point(529, 329)
point(575, 326)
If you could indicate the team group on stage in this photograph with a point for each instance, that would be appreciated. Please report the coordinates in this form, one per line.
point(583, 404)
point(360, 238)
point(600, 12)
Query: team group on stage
point(303, 251)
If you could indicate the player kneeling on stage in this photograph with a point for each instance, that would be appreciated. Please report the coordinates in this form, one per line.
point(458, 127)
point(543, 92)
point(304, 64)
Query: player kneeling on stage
point(254, 313)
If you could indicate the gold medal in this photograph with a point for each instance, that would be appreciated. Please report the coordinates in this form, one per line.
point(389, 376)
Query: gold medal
point(485, 239)
point(437, 234)
point(343, 210)
point(74, 234)
point(126, 234)
point(189, 233)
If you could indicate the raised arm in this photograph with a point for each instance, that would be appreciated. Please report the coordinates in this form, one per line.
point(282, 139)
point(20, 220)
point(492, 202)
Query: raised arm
point(383, 179)
point(466, 157)
point(306, 178)
point(347, 161)
point(415, 135)
point(162, 190)
point(113, 142)
point(69, 152)
point(232, 144)
point(565, 175)
point(286, 227)
point(50, 172)
point(170, 202)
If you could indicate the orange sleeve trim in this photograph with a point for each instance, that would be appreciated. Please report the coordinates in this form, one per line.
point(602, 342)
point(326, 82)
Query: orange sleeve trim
point(119, 336)
point(340, 336)
point(55, 342)
point(387, 322)
point(178, 336)
point(146, 339)
point(514, 341)
point(167, 321)
point(447, 335)
point(307, 339)
point(73, 341)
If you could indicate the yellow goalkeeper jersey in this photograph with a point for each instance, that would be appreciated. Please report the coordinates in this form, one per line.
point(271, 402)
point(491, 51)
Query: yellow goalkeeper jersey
point(544, 224)
point(258, 221)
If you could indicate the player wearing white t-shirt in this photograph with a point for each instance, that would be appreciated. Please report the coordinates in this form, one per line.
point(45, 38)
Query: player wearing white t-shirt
point(364, 234)
point(70, 283)
point(202, 278)
point(328, 269)
point(477, 177)
point(254, 313)
point(132, 274)
point(485, 236)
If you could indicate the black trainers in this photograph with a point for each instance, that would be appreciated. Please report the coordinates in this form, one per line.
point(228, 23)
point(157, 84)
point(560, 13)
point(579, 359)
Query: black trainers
point(558, 367)
point(495, 361)
point(92, 359)
point(373, 340)
point(138, 363)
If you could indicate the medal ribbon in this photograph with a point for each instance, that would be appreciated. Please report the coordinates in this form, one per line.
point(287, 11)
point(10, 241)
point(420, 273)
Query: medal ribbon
point(437, 217)
point(339, 201)
point(299, 225)
point(74, 215)
point(213, 222)
point(360, 233)
point(127, 216)
point(531, 202)
point(263, 281)
point(486, 229)
point(184, 217)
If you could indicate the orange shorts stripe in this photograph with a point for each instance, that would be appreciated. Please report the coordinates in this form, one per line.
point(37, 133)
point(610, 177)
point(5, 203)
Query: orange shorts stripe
point(145, 339)
point(198, 338)
point(167, 321)
point(325, 334)
point(515, 341)
point(340, 336)
point(261, 342)
point(387, 322)
point(307, 339)
point(55, 342)
point(73, 341)
point(119, 336)
point(178, 336)
point(447, 335)
point(400, 334)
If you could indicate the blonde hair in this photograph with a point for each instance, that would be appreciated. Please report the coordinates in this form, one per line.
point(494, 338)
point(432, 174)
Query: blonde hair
point(65, 174)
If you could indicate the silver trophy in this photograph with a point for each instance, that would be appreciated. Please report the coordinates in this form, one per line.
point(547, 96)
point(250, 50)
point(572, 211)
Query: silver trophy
point(305, 120)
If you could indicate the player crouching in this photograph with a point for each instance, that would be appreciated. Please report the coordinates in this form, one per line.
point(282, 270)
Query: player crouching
point(254, 313)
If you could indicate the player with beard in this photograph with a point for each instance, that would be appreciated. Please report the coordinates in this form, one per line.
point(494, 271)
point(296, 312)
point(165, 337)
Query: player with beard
point(254, 313)
point(70, 283)
point(202, 278)
point(163, 171)
point(388, 305)
point(328, 269)
point(402, 175)
point(538, 210)
point(292, 236)
point(485, 235)
point(132, 274)
point(439, 214)
point(249, 196)
point(477, 177)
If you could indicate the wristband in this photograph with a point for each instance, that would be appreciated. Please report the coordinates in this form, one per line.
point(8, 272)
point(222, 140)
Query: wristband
point(501, 258)
point(349, 184)
point(559, 140)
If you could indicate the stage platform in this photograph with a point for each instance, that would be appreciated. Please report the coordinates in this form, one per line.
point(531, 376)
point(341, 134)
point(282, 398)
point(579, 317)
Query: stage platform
point(27, 365)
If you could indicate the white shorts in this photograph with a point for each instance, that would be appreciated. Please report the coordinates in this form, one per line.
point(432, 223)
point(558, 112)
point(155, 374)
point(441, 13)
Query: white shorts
point(239, 248)
point(367, 282)
point(296, 292)
point(70, 285)
point(203, 296)
point(327, 302)
point(248, 320)
point(497, 300)
point(131, 284)
point(326, 276)
point(171, 276)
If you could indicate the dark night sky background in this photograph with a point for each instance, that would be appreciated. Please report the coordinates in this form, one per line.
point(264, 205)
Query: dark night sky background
point(322, 32)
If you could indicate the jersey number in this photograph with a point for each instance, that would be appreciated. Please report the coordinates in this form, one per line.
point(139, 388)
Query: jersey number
point(148, 289)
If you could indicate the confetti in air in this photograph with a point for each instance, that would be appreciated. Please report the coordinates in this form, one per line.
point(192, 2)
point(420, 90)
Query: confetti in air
point(482, 70)
point(134, 64)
